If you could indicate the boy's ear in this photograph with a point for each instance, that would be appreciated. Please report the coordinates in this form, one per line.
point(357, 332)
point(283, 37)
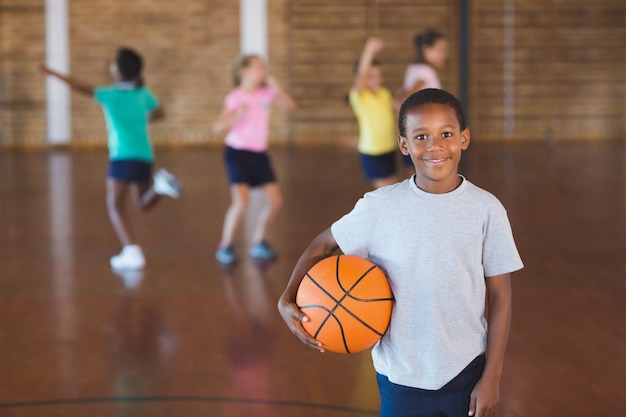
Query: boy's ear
point(465, 138)
point(402, 144)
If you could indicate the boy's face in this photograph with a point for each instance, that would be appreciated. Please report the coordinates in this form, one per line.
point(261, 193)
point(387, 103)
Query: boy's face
point(434, 141)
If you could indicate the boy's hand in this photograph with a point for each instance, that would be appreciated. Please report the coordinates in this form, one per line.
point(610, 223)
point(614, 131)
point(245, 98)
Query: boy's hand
point(294, 317)
point(484, 398)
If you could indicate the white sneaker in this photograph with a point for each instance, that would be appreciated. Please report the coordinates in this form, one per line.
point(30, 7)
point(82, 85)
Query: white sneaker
point(131, 278)
point(167, 184)
point(131, 257)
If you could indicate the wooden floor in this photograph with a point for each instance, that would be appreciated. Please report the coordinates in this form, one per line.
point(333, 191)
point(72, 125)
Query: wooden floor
point(186, 338)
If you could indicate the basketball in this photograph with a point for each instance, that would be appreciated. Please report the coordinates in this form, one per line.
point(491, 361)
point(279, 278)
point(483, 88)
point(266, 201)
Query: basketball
point(348, 301)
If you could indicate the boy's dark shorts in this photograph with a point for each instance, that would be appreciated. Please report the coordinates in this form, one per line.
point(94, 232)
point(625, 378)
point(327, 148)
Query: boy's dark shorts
point(248, 167)
point(380, 166)
point(452, 400)
point(130, 170)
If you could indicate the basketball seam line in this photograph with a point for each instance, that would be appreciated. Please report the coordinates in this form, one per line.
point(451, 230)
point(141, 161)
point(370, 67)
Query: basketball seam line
point(328, 316)
point(331, 313)
point(338, 304)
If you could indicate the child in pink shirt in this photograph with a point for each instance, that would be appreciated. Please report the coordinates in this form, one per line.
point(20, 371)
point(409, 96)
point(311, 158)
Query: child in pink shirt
point(251, 130)
point(246, 117)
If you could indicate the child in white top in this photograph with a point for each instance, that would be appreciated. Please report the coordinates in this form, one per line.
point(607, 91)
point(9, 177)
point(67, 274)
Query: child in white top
point(431, 48)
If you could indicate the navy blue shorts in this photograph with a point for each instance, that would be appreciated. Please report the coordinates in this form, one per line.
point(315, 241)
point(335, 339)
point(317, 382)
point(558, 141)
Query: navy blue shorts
point(452, 400)
point(130, 170)
point(378, 166)
point(247, 167)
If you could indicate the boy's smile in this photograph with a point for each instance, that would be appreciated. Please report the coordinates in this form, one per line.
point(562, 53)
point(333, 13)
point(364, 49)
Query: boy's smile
point(434, 141)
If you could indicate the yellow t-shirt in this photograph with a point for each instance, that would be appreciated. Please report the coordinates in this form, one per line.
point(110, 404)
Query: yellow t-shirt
point(377, 121)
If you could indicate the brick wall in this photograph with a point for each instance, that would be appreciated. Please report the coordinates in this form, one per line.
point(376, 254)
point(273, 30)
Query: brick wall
point(187, 48)
point(565, 78)
point(326, 40)
point(569, 66)
point(22, 110)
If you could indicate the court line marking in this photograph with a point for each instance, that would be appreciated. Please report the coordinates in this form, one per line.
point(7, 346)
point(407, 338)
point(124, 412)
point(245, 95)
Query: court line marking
point(92, 400)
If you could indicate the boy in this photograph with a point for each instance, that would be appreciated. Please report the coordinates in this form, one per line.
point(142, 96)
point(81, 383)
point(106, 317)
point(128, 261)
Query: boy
point(373, 107)
point(445, 245)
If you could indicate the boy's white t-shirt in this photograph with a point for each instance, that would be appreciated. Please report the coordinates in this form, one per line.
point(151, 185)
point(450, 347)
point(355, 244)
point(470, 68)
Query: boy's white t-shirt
point(437, 250)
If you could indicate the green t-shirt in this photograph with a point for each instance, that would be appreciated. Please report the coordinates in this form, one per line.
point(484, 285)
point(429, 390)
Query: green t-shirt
point(377, 120)
point(127, 111)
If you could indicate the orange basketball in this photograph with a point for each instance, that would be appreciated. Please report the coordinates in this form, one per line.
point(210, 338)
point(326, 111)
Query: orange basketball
point(348, 301)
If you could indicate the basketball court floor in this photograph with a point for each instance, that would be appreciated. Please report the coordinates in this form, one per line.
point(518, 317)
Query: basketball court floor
point(188, 338)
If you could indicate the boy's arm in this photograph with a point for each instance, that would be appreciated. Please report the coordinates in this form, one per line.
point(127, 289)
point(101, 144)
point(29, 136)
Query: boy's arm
point(372, 47)
point(486, 394)
point(73, 83)
point(321, 247)
point(283, 100)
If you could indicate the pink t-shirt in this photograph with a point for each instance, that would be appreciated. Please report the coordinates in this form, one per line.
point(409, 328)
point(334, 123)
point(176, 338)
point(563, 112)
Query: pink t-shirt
point(423, 72)
point(251, 131)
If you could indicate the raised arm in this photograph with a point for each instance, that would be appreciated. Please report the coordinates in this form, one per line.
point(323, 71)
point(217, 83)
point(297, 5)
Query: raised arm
point(372, 47)
point(486, 394)
point(283, 100)
point(74, 84)
point(321, 247)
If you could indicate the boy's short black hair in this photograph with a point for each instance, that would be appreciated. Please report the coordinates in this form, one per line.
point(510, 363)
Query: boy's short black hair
point(428, 96)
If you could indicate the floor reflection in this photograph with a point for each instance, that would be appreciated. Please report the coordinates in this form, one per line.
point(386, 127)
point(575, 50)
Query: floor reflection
point(142, 343)
point(251, 337)
point(61, 230)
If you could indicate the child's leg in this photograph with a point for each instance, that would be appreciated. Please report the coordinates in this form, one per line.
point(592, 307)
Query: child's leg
point(144, 196)
point(116, 206)
point(240, 195)
point(270, 209)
